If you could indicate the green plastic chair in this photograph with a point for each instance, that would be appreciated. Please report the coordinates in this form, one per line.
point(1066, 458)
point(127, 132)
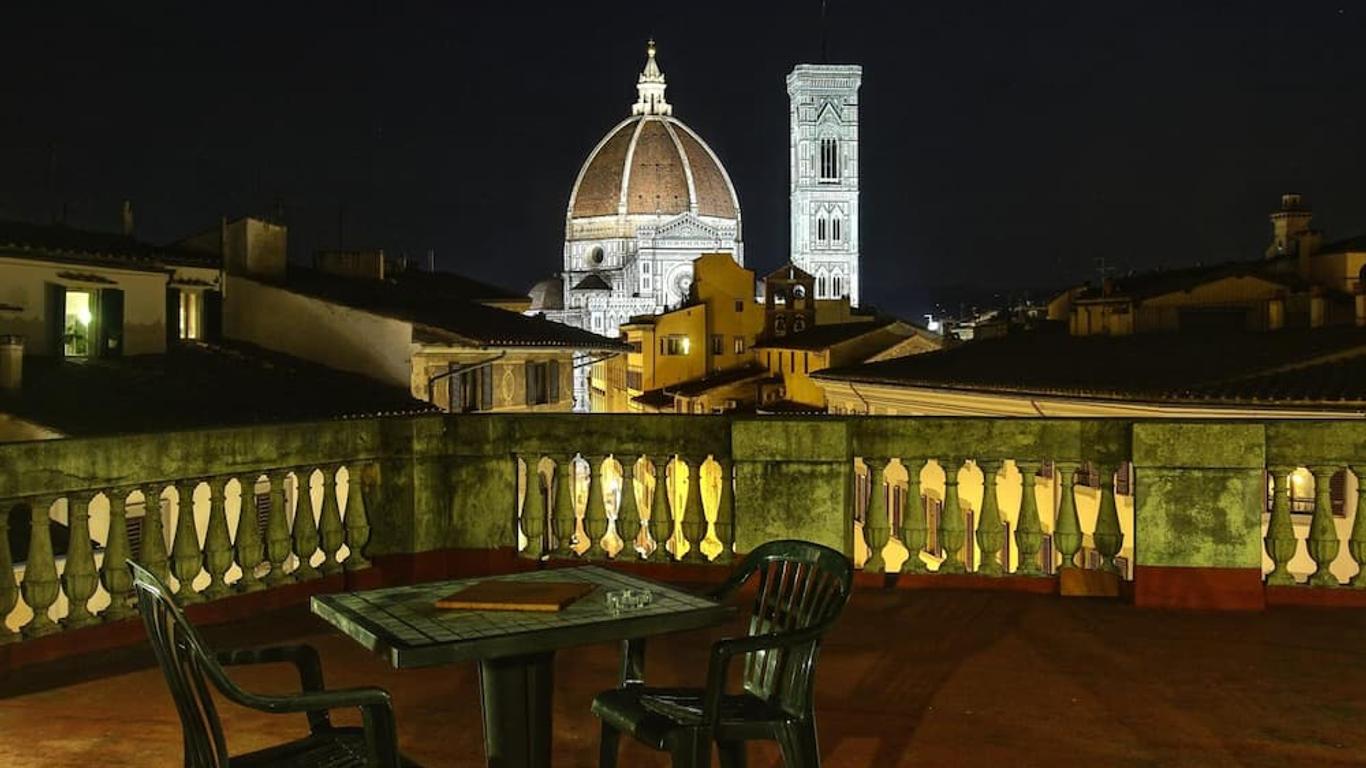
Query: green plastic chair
point(187, 662)
point(802, 589)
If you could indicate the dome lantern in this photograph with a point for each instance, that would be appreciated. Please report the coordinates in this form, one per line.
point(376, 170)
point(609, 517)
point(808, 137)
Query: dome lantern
point(650, 87)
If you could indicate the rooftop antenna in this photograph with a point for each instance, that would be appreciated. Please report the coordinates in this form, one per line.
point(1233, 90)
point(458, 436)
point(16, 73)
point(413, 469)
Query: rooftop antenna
point(825, 30)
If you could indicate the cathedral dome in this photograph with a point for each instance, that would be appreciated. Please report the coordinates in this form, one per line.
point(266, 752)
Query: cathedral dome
point(651, 163)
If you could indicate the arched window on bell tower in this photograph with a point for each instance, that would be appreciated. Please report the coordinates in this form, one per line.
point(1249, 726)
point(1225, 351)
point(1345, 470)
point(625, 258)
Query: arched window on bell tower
point(830, 161)
point(820, 229)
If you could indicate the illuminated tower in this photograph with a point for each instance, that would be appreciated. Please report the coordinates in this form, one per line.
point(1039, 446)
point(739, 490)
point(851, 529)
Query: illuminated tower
point(824, 175)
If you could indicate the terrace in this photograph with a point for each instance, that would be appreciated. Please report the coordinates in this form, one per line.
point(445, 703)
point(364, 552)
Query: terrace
point(956, 647)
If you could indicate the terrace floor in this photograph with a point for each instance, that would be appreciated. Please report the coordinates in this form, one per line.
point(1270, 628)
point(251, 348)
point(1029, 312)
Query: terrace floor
point(909, 678)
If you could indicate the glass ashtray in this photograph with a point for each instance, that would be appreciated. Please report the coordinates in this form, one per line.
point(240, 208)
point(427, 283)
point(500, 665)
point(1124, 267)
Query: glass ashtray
point(619, 600)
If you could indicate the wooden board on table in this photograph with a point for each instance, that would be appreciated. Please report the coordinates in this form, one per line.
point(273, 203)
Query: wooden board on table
point(541, 596)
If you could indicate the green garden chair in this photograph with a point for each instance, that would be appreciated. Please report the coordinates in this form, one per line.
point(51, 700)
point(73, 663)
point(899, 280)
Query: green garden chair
point(802, 588)
point(187, 662)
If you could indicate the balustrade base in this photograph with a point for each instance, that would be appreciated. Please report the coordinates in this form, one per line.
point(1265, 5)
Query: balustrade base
point(1214, 589)
point(57, 644)
point(1039, 585)
point(1302, 595)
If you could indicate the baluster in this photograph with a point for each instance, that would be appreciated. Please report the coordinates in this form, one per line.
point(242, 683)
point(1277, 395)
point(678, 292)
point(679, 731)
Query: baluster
point(9, 588)
point(725, 512)
point(357, 518)
point(1356, 541)
point(217, 545)
point(248, 541)
point(1028, 528)
point(330, 524)
point(277, 532)
point(628, 511)
point(564, 506)
point(915, 533)
point(694, 519)
point(1067, 532)
point(533, 508)
point(114, 573)
point(186, 557)
point(661, 524)
point(952, 530)
point(1323, 543)
point(876, 528)
point(595, 511)
point(990, 537)
point(40, 587)
point(79, 577)
point(305, 526)
point(1108, 536)
point(152, 549)
point(1280, 531)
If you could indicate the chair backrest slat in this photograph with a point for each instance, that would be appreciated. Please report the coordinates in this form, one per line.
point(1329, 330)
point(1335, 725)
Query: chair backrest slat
point(800, 585)
point(184, 661)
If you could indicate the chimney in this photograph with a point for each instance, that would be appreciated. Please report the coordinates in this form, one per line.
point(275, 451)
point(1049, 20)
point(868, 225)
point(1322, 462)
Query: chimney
point(11, 363)
point(127, 218)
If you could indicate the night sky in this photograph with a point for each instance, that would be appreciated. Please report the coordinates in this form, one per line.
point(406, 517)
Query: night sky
point(1003, 146)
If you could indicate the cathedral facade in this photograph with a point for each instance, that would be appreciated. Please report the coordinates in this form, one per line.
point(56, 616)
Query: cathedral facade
point(650, 199)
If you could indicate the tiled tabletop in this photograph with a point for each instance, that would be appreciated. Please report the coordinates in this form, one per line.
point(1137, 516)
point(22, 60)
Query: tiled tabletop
point(404, 624)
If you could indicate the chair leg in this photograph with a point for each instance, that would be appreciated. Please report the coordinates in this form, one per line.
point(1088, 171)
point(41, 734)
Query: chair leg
point(608, 747)
point(691, 751)
point(732, 753)
point(798, 744)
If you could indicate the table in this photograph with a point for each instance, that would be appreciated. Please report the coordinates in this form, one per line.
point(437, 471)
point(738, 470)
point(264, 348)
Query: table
point(515, 650)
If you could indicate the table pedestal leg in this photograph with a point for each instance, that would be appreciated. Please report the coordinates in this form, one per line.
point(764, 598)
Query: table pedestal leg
point(516, 695)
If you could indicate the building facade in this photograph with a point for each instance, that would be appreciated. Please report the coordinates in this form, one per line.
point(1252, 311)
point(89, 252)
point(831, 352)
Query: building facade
point(824, 164)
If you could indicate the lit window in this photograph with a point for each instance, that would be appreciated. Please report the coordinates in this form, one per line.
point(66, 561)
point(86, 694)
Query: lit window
point(191, 315)
point(739, 345)
point(76, 324)
point(674, 345)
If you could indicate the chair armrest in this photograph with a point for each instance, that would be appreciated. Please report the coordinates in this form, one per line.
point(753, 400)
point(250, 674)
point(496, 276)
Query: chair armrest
point(377, 712)
point(304, 658)
point(632, 662)
point(723, 651)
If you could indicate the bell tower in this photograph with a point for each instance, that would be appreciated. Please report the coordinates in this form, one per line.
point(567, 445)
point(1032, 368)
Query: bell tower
point(823, 162)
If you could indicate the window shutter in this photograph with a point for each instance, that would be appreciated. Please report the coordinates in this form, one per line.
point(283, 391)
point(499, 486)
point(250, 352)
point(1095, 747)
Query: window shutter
point(213, 316)
point(530, 369)
point(554, 374)
point(486, 388)
point(111, 323)
point(56, 318)
point(172, 316)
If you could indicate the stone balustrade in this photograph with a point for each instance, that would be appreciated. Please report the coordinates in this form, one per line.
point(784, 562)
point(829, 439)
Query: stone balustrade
point(208, 537)
point(1312, 531)
point(219, 513)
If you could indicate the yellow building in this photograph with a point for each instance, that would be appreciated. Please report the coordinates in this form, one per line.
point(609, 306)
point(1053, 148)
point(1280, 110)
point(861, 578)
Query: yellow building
point(1301, 283)
point(700, 353)
point(793, 358)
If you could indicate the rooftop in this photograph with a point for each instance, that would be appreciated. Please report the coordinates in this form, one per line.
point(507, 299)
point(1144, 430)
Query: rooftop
point(1285, 366)
point(444, 303)
point(58, 242)
point(194, 386)
point(824, 336)
point(1145, 285)
point(907, 678)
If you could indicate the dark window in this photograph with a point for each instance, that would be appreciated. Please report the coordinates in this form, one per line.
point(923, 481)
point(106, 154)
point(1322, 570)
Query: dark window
point(718, 344)
point(739, 305)
point(779, 325)
point(633, 379)
point(538, 382)
point(674, 345)
point(472, 389)
point(111, 323)
point(830, 160)
point(798, 324)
